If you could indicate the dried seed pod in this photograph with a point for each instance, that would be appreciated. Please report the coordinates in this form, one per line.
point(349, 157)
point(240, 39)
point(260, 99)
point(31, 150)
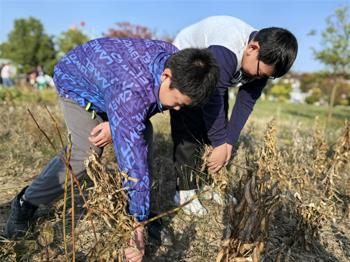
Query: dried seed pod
point(240, 206)
point(248, 196)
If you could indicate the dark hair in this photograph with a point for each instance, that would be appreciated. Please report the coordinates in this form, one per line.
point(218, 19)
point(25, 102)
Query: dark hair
point(194, 73)
point(278, 48)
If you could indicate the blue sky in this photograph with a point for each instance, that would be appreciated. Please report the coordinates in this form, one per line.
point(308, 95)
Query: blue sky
point(168, 16)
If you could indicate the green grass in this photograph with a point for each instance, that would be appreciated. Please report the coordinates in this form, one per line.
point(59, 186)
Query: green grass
point(18, 95)
point(299, 113)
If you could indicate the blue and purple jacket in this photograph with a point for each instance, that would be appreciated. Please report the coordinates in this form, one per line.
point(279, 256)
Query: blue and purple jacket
point(121, 77)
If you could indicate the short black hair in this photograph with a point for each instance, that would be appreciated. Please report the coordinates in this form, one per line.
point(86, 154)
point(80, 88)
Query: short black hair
point(194, 73)
point(278, 48)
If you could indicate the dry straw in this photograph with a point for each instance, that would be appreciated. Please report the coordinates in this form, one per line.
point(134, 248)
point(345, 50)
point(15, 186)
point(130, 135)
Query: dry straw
point(288, 199)
point(108, 202)
point(298, 186)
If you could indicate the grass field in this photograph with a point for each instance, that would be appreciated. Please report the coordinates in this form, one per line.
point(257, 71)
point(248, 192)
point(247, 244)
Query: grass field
point(302, 113)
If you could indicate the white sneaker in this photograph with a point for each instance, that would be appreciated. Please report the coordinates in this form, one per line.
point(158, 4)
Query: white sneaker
point(194, 207)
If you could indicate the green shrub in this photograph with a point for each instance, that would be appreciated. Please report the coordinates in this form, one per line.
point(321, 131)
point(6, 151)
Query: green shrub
point(315, 96)
point(281, 91)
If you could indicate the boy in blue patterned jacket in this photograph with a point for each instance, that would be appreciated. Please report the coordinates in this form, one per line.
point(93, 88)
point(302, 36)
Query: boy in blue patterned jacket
point(124, 81)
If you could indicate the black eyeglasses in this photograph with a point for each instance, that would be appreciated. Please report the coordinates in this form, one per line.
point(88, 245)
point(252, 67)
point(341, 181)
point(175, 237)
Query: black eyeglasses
point(258, 72)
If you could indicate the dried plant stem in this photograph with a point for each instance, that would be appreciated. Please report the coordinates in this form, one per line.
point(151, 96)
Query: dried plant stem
point(42, 131)
point(76, 181)
point(72, 199)
point(171, 211)
point(56, 126)
point(199, 172)
point(67, 159)
point(117, 232)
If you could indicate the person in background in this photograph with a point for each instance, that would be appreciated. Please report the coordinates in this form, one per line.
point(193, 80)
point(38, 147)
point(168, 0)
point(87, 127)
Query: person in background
point(39, 79)
point(6, 75)
point(1, 66)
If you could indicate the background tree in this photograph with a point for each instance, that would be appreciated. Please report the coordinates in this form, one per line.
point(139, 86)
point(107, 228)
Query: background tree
point(126, 29)
point(167, 38)
point(71, 39)
point(335, 50)
point(309, 81)
point(281, 91)
point(28, 45)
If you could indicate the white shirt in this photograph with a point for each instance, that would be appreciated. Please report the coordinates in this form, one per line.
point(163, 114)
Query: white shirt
point(226, 31)
point(6, 72)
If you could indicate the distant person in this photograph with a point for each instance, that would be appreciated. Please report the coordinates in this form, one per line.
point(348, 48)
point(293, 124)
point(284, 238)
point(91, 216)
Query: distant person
point(40, 70)
point(43, 81)
point(126, 81)
point(1, 66)
point(32, 78)
point(6, 75)
point(247, 58)
point(39, 79)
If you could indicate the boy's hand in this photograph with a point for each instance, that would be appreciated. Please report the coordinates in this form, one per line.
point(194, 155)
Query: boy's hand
point(219, 157)
point(136, 251)
point(100, 135)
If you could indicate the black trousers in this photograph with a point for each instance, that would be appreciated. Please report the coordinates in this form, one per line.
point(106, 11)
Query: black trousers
point(189, 135)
